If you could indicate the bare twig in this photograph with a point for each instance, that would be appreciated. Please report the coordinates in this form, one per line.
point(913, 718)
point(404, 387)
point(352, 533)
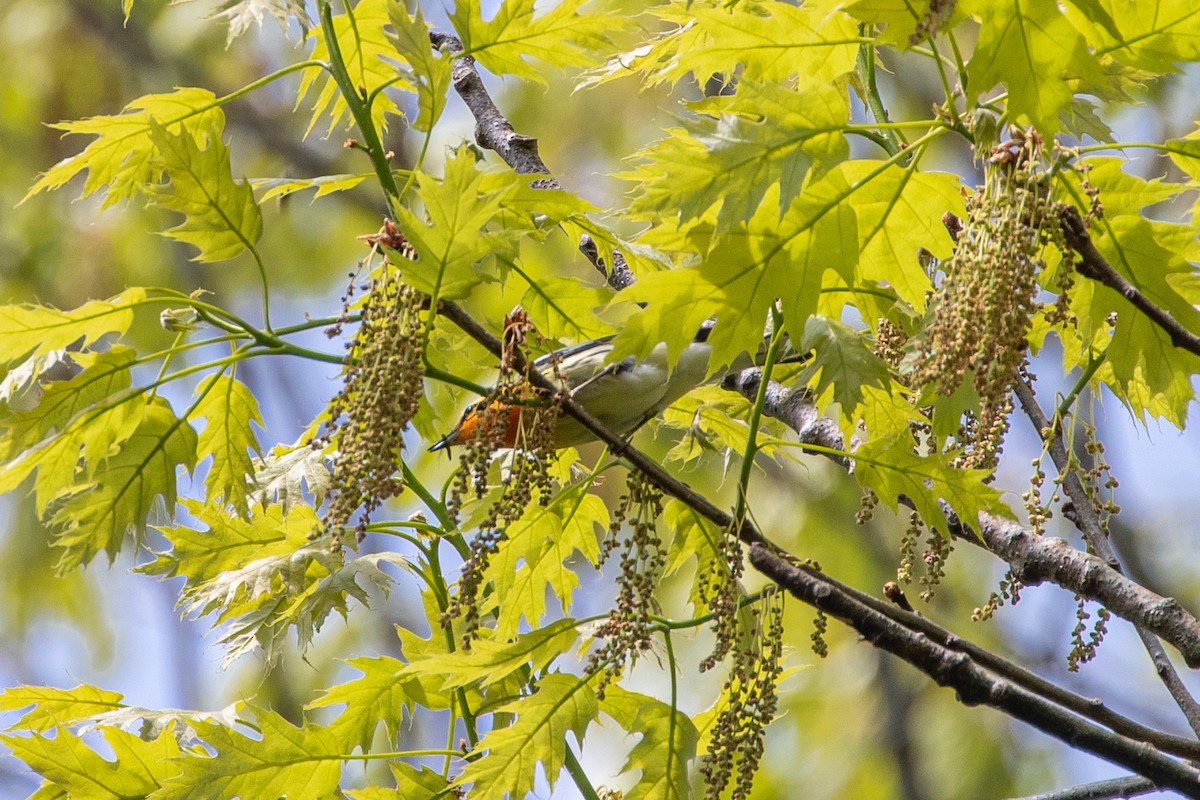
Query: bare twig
point(620, 276)
point(492, 130)
point(1086, 520)
point(1133, 786)
point(1094, 265)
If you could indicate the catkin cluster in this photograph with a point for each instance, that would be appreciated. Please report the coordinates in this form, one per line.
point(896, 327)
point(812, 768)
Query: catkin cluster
point(627, 630)
point(515, 415)
point(983, 310)
point(736, 742)
point(381, 390)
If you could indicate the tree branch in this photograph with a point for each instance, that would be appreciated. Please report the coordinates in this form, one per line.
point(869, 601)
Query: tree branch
point(1094, 265)
point(1034, 559)
point(974, 683)
point(492, 130)
point(1088, 523)
point(1132, 786)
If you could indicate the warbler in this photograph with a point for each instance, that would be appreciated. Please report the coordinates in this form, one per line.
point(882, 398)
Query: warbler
point(624, 394)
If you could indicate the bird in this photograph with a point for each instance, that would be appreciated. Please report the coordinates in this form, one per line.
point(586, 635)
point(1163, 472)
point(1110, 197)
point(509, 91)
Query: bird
point(624, 395)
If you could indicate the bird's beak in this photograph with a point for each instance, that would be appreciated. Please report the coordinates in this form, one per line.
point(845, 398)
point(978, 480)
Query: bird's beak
point(445, 443)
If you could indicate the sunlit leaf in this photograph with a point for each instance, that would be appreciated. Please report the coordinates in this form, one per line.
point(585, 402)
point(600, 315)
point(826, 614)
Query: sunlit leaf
point(122, 157)
point(139, 767)
point(430, 70)
point(220, 216)
point(139, 477)
point(282, 761)
point(890, 468)
point(229, 408)
point(666, 746)
point(50, 708)
point(560, 36)
point(364, 45)
point(537, 739)
point(760, 42)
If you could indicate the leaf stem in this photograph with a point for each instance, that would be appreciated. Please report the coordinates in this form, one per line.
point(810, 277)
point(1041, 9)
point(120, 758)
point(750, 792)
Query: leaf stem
point(575, 770)
point(743, 486)
point(358, 106)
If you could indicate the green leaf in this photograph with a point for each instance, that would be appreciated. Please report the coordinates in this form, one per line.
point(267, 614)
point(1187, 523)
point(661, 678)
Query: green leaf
point(746, 271)
point(899, 18)
point(138, 769)
point(28, 331)
point(560, 36)
point(1032, 48)
point(97, 515)
point(765, 136)
point(53, 708)
point(491, 659)
point(899, 212)
point(103, 375)
point(843, 361)
point(891, 469)
point(284, 761)
point(759, 42)
point(1155, 38)
point(230, 542)
point(325, 184)
point(430, 70)
point(364, 46)
point(380, 696)
point(666, 745)
point(123, 157)
point(266, 575)
point(562, 704)
point(454, 241)
point(411, 784)
point(221, 217)
point(1142, 367)
point(536, 555)
point(229, 407)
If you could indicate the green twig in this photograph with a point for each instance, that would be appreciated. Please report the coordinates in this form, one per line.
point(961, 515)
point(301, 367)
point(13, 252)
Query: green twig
point(575, 770)
point(743, 486)
point(359, 109)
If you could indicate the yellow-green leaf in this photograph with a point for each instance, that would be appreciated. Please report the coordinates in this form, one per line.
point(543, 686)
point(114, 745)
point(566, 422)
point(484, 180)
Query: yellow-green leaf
point(220, 216)
point(51, 708)
point(122, 157)
point(96, 516)
point(538, 738)
point(229, 407)
point(28, 331)
point(560, 36)
point(282, 761)
point(364, 46)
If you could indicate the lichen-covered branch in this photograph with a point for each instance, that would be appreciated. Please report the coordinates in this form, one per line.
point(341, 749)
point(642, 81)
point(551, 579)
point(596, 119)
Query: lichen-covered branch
point(1034, 559)
point(974, 683)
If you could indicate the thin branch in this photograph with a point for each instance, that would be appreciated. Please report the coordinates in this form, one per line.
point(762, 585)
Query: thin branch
point(974, 683)
point(1133, 786)
point(1094, 265)
point(1088, 523)
point(492, 130)
point(620, 276)
point(1034, 559)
